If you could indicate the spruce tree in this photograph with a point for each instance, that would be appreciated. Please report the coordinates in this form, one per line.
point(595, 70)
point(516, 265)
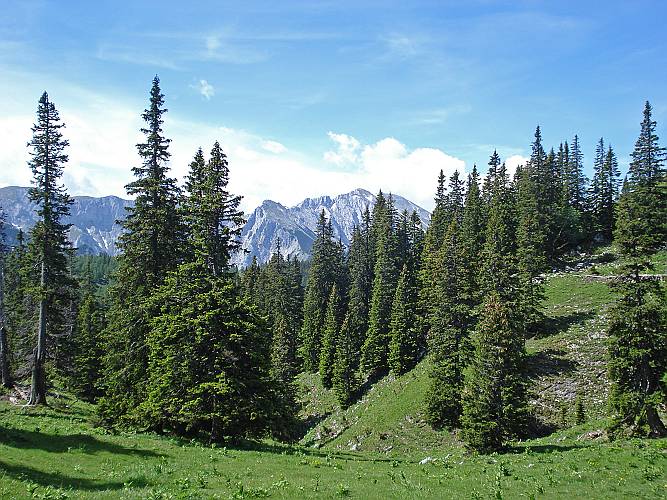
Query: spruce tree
point(20, 304)
point(49, 247)
point(638, 328)
point(447, 335)
point(455, 197)
point(375, 349)
point(427, 273)
point(361, 282)
point(531, 244)
point(324, 273)
point(499, 270)
point(490, 178)
point(343, 379)
point(332, 324)
point(611, 191)
point(5, 375)
point(494, 392)
point(151, 245)
point(575, 180)
point(596, 193)
point(209, 360)
point(283, 352)
point(211, 211)
point(403, 332)
point(89, 348)
point(567, 226)
point(472, 241)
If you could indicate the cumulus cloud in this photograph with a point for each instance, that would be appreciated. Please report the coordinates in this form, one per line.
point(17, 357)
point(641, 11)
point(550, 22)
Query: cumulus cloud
point(389, 165)
point(347, 149)
point(205, 89)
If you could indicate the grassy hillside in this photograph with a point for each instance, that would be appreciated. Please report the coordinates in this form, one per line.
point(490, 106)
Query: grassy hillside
point(566, 360)
point(55, 453)
point(379, 448)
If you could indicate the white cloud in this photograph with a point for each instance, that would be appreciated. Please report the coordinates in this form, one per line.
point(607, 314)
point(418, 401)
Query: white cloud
point(347, 148)
point(390, 166)
point(15, 133)
point(212, 43)
point(274, 147)
point(205, 89)
point(513, 162)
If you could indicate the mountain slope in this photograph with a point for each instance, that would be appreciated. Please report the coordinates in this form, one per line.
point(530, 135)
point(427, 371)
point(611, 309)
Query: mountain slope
point(566, 360)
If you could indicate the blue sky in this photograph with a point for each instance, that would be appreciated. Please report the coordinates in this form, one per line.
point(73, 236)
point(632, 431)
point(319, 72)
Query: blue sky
point(314, 98)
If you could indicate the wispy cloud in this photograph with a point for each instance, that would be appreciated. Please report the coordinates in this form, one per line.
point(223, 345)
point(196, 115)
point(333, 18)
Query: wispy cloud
point(401, 46)
point(153, 51)
point(274, 147)
point(204, 88)
point(439, 115)
point(130, 55)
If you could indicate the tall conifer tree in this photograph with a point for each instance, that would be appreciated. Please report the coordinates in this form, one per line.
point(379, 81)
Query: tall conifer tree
point(5, 375)
point(375, 349)
point(152, 245)
point(324, 272)
point(332, 324)
point(638, 328)
point(403, 332)
point(49, 247)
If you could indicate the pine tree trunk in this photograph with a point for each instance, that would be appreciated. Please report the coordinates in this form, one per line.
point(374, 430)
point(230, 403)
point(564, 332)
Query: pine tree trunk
point(38, 385)
point(656, 425)
point(5, 376)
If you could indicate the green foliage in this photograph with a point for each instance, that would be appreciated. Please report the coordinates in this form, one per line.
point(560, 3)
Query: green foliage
point(638, 328)
point(603, 191)
point(151, 247)
point(332, 325)
point(638, 359)
point(48, 249)
point(376, 346)
point(531, 245)
point(211, 212)
point(208, 359)
point(326, 270)
point(403, 333)
point(360, 263)
point(343, 378)
point(447, 335)
point(494, 396)
point(88, 341)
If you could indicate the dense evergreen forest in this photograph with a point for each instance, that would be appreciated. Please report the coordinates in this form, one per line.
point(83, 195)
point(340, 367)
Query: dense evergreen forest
point(169, 337)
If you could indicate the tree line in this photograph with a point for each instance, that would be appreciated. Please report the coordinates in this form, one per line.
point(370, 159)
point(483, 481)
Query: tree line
point(181, 342)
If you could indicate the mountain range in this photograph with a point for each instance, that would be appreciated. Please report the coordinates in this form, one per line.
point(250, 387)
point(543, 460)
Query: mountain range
point(94, 229)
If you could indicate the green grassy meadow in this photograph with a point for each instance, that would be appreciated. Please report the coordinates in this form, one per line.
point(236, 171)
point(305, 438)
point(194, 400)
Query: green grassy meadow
point(380, 447)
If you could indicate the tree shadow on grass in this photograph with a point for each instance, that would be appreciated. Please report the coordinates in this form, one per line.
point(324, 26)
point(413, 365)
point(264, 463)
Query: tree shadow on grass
point(559, 324)
point(278, 449)
point(22, 439)
point(543, 448)
point(549, 362)
point(60, 480)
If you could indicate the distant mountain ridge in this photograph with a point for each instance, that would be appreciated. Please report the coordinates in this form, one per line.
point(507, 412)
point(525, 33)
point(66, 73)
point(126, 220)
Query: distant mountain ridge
point(296, 226)
point(94, 229)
